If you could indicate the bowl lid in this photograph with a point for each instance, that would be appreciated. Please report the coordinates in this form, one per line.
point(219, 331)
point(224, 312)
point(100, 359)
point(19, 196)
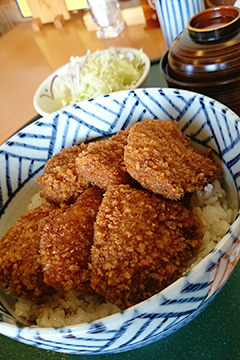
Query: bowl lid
point(214, 24)
point(208, 50)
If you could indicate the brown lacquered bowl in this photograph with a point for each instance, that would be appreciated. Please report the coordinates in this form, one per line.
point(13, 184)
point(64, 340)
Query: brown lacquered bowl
point(205, 57)
point(214, 3)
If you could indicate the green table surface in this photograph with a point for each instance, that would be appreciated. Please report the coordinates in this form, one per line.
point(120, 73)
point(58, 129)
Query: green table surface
point(212, 335)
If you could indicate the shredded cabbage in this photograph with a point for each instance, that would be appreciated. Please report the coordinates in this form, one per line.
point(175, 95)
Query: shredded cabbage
point(97, 74)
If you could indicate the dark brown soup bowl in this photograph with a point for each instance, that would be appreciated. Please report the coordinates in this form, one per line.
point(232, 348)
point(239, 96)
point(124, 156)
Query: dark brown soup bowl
point(205, 57)
point(214, 3)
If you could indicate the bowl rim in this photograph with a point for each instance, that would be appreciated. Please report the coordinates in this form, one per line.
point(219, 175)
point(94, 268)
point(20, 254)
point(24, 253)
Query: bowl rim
point(219, 30)
point(145, 60)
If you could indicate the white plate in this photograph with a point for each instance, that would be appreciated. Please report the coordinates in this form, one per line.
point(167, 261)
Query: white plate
point(45, 105)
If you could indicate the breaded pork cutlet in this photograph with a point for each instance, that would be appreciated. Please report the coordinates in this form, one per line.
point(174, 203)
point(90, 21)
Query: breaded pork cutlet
point(161, 158)
point(141, 244)
point(66, 242)
point(102, 162)
point(60, 182)
point(20, 265)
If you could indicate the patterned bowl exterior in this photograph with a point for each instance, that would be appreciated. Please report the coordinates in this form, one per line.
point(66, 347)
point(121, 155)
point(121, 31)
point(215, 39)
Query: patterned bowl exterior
point(22, 158)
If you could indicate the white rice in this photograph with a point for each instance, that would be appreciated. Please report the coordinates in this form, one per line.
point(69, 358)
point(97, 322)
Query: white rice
point(69, 308)
point(36, 201)
point(212, 207)
point(64, 308)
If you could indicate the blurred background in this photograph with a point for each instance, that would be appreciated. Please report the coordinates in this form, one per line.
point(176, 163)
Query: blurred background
point(134, 11)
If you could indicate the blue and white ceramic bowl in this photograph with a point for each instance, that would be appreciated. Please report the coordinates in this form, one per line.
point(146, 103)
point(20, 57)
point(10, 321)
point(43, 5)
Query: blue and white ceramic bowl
point(22, 158)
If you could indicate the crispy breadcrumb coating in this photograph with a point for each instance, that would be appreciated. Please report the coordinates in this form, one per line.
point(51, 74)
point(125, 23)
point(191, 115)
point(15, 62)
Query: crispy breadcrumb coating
point(161, 158)
point(20, 265)
point(141, 244)
point(60, 182)
point(66, 242)
point(142, 241)
point(102, 162)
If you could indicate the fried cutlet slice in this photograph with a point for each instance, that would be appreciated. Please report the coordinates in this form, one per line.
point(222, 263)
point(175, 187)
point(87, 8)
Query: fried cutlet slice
point(161, 158)
point(102, 162)
point(142, 243)
point(20, 265)
point(66, 242)
point(60, 182)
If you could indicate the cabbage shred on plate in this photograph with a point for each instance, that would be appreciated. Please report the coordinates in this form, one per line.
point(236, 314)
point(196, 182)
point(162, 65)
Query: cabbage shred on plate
point(97, 74)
